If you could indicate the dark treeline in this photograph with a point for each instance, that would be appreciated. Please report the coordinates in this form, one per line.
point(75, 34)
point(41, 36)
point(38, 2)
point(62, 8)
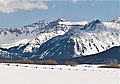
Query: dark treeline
point(53, 62)
point(110, 66)
point(40, 62)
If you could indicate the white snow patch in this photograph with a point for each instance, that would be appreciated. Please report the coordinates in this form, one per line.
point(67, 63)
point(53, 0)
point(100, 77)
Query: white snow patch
point(82, 23)
point(20, 41)
point(46, 74)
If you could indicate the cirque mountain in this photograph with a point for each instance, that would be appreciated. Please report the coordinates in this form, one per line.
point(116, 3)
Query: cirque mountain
point(59, 39)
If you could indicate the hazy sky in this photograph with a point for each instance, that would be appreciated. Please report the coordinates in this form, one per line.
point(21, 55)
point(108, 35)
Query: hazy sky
point(23, 12)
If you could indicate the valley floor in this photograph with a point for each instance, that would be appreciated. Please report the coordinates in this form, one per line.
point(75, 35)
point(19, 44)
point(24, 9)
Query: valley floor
point(48, 74)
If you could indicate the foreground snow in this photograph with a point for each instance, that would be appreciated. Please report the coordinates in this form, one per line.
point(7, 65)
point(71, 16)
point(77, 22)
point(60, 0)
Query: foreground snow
point(46, 74)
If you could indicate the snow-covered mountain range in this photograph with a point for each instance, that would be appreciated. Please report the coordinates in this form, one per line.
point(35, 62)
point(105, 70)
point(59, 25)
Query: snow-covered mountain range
point(59, 39)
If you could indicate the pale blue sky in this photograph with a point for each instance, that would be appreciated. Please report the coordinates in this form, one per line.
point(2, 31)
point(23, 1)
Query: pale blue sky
point(71, 10)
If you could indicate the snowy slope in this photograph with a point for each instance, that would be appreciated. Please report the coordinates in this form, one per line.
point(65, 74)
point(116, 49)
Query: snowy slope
point(15, 36)
point(45, 74)
point(93, 38)
point(40, 30)
point(55, 28)
point(52, 29)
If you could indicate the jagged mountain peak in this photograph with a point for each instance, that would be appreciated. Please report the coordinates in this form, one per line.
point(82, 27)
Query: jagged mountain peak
point(116, 20)
point(56, 22)
point(55, 26)
point(37, 25)
point(61, 20)
point(97, 21)
point(94, 25)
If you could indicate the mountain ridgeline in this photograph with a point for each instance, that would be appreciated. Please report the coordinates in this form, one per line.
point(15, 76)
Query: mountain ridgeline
point(84, 42)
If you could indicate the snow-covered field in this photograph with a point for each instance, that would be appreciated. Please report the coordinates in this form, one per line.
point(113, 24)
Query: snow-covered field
point(46, 74)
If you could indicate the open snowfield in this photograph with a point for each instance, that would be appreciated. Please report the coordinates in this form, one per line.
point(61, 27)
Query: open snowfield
point(44, 74)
